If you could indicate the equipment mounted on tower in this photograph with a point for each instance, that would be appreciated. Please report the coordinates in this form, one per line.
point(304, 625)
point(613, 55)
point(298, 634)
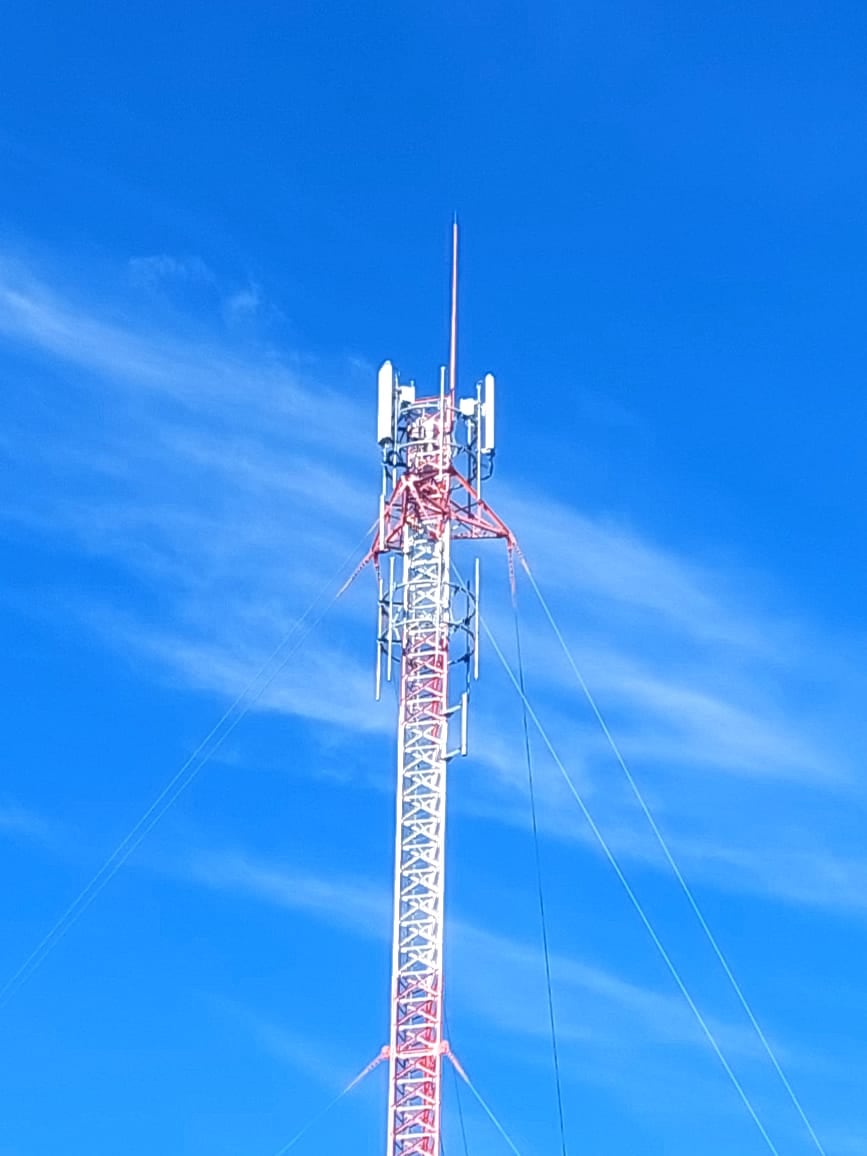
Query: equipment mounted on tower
point(436, 452)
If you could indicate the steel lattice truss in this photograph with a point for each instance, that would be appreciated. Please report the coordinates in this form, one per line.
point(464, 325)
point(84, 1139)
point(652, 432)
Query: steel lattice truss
point(427, 624)
point(423, 727)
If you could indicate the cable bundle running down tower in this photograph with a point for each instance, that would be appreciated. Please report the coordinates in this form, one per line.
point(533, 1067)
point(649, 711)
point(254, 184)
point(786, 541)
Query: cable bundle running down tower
point(436, 453)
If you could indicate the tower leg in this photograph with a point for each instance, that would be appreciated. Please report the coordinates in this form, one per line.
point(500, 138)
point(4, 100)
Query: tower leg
point(417, 978)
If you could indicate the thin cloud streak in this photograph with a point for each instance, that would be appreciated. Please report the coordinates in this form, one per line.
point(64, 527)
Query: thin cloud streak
point(599, 559)
point(355, 905)
point(215, 488)
point(196, 374)
point(493, 977)
point(20, 822)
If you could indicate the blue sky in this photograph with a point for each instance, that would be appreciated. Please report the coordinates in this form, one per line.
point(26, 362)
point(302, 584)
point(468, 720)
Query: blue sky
point(214, 222)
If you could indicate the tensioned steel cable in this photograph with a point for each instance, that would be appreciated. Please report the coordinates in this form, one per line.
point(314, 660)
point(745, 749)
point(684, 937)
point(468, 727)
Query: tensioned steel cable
point(488, 1112)
point(457, 1088)
point(323, 1112)
point(673, 864)
point(179, 782)
point(633, 898)
point(528, 753)
point(311, 1123)
point(461, 1121)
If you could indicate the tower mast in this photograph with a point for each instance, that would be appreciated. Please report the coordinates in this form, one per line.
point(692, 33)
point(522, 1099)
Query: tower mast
point(436, 453)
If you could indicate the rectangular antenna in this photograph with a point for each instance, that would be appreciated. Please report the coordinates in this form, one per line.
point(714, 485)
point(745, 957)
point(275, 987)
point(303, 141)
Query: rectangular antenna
point(379, 622)
point(487, 435)
point(389, 657)
point(385, 403)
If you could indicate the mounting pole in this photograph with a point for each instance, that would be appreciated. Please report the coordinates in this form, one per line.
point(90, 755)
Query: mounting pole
point(431, 450)
point(453, 328)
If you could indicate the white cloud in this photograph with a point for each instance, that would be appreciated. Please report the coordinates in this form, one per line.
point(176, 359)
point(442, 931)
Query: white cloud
point(210, 378)
point(599, 558)
point(19, 822)
point(225, 481)
point(357, 905)
point(595, 1006)
point(493, 977)
point(151, 271)
point(801, 872)
point(243, 303)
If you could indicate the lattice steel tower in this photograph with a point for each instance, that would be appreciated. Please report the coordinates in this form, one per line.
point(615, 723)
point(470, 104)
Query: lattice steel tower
point(436, 453)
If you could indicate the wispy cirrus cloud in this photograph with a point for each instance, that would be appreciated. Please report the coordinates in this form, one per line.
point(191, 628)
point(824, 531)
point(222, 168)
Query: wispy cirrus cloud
point(494, 978)
point(160, 267)
point(289, 1047)
point(199, 469)
point(208, 375)
point(18, 822)
point(634, 1039)
point(209, 471)
point(355, 904)
point(604, 562)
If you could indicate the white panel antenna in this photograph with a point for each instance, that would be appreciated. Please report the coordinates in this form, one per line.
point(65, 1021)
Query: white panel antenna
point(487, 438)
point(385, 383)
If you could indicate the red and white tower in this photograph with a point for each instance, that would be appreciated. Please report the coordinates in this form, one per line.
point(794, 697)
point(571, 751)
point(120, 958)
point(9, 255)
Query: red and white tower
point(436, 452)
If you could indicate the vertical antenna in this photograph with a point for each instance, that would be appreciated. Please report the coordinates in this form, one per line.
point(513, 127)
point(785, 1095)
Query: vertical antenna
point(379, 622)
point(453, 334)
point(477, 617)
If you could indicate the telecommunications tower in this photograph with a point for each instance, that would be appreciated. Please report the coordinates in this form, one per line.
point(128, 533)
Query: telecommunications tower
point(436, 453)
